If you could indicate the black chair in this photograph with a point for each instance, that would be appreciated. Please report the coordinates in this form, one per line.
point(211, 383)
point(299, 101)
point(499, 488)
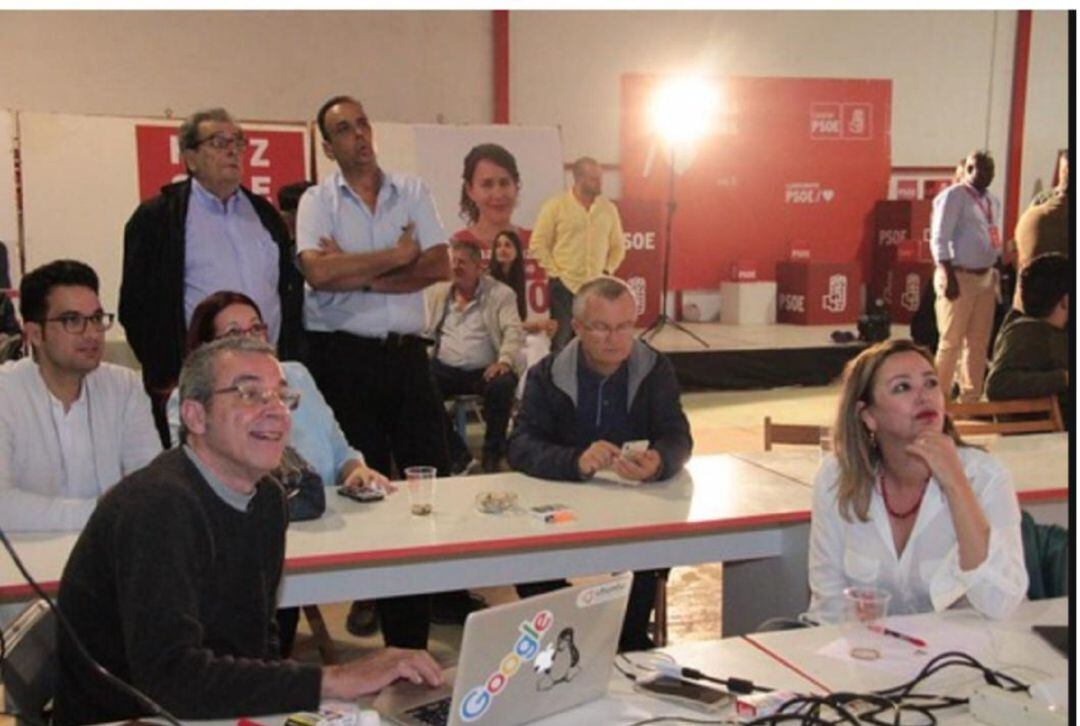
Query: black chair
point(1046, 557)
point(29, 668)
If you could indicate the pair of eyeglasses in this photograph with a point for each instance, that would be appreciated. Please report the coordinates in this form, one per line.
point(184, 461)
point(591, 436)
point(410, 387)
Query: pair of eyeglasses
point(221, 142)
point(252, 394)
point(603, 329)
point(75, 323)
point(256, 330)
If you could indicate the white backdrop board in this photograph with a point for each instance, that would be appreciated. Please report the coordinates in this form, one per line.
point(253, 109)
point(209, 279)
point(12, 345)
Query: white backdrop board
point(80, 186)
point(9, 226)
point(436, 153)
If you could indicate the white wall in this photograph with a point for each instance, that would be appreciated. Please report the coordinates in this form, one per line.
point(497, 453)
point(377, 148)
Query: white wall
point(278, 66)
point(418, 67)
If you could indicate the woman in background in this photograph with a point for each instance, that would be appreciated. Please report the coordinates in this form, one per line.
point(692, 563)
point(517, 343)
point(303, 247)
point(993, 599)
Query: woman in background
point(490, 183)
point(905, 505)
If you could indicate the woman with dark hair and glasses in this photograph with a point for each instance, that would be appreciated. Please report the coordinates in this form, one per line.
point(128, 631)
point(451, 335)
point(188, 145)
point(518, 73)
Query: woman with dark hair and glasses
point(316, 435)
point(905, 505)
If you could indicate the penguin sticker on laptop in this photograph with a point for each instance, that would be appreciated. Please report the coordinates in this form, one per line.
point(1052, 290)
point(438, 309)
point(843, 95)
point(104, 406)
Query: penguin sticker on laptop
point(558, 662)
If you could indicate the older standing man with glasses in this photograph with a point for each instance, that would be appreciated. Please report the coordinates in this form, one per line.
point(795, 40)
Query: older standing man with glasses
point(70, 425)
point(201, 235)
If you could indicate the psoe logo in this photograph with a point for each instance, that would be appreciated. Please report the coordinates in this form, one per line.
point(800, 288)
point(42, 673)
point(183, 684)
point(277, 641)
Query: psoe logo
point(807, 193)
point(825, 121)
point(792, 303)
point(835, 300)
point(909, 298)
point(531, 634)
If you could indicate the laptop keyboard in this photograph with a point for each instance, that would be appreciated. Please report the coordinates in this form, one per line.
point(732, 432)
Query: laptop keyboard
point(436, 713)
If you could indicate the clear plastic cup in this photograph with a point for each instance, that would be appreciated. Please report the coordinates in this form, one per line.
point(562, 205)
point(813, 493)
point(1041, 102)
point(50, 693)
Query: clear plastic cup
point(865, 609)
point(421, 483)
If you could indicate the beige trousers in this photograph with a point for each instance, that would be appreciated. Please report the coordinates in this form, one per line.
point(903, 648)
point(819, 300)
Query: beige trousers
point(964, 325)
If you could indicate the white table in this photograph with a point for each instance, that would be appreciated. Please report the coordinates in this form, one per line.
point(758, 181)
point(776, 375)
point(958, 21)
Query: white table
point(784, 660)
point(1009, 645)
point(1039, 464)
point(720, 509)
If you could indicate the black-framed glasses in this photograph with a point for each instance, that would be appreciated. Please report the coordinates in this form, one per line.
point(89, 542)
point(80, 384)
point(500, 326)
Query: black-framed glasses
point(221, 142)
point(252, 394)
point(76, 323)
point(256, 330)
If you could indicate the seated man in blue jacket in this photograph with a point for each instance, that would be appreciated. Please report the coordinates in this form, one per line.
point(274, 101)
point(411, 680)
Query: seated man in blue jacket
point(581, 404)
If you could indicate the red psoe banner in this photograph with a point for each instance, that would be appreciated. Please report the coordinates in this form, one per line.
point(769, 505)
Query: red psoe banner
point(272, 159)
point(784, 159)
point(642, 269)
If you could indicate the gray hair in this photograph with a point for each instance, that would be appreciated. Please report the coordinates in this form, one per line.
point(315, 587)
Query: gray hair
point(472, 249)
point(605, 286)
point(189, 130)
point(578, 168)
point(197, 375)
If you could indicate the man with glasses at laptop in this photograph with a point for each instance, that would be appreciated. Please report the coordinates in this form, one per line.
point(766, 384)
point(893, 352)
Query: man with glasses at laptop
point(201, 235)
point(70, 425)
point(173, 583)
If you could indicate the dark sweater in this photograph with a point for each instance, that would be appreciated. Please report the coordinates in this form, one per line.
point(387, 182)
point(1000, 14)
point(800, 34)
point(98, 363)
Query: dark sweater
point(173, 591)
point(1031, 360)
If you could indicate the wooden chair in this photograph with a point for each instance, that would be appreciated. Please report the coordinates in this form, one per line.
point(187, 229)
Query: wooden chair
point(660, 621)
point(1019, 416)
point(799, 434)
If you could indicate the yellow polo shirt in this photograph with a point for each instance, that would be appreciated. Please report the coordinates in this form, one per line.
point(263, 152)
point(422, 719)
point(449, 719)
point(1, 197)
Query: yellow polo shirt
point(576, 244)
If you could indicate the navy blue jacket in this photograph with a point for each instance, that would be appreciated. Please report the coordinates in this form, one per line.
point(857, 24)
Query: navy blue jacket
point(547, 442)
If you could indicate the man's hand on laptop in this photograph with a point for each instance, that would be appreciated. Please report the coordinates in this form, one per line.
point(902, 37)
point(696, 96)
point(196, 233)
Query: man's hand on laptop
point(372, 672)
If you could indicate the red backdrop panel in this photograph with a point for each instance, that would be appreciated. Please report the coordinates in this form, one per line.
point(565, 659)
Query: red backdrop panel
point(272, 160)
point(787, 159)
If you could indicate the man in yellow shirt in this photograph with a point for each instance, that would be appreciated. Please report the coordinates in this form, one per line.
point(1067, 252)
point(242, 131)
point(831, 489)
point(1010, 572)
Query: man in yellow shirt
point(577, 237)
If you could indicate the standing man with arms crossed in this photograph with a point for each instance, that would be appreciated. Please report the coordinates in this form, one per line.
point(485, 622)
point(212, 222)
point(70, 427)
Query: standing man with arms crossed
point(369, 242)
point(201, 235)
point(966, 244)
point(577, 236)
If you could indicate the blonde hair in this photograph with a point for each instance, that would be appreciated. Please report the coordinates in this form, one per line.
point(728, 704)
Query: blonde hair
point(855, 450)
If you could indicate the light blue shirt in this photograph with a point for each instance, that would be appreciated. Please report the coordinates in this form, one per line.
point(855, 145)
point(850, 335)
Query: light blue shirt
point(316, 434)
point(333, 209)
point(960, 227)
point(226, 247)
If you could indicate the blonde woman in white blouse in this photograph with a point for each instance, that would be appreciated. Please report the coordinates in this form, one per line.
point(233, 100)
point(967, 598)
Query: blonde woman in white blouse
point(905, 505)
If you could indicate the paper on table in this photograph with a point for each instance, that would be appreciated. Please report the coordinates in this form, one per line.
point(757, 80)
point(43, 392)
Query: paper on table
point(609, 476)
point(906, 660)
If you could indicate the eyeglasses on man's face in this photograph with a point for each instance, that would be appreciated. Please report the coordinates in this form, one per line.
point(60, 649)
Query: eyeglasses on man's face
point(252, 394)
point(75, 323)
point(222, 142)
point(603, 329)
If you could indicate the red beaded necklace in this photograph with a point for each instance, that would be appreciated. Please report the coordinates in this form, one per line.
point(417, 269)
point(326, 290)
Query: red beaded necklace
point(889, 509)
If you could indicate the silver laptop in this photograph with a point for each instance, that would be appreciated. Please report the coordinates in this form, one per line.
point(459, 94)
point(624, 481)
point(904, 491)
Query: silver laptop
point(524, 660)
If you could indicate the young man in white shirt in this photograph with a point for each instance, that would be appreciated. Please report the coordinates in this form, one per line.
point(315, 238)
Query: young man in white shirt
point(70, 425)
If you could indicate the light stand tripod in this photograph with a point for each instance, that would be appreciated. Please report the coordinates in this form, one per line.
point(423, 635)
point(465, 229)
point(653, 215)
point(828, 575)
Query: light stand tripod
point(662, 319)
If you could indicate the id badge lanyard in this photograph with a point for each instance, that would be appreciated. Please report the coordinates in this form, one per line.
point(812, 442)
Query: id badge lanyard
point(984, 205)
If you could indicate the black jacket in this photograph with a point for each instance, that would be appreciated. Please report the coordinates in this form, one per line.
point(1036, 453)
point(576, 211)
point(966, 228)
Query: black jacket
point(546, 441)
point(152, 286)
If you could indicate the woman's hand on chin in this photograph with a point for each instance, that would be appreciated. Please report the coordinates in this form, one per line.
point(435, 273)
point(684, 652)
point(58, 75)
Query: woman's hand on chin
point(938, 451)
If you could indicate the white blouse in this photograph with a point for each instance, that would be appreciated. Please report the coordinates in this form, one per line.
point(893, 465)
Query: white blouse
point(926, 576)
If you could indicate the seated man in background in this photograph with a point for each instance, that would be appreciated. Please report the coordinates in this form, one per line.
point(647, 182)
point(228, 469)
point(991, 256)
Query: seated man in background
point(173, 582)
point(70, 425)
point(603, 389)
point(474, 322)
point(1031, 355)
